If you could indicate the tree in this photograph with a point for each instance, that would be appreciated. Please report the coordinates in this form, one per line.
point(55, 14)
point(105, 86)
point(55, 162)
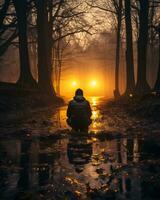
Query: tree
point(58, 63)
point(44, 49)
point(25, 79)
point(119, 21)
point(130, 82)
point(68, 20)
point(157, 84)
point(142, 86)
point(151, 46)
point(115, 7)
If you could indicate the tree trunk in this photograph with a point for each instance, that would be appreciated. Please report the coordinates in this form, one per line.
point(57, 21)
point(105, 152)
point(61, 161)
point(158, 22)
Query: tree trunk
point(142, 86)
point(25, 79)
point(130, 82)
point(157, 84)
point(119, 19)
point(151, 56)
point(59, 67)
point(44, 49)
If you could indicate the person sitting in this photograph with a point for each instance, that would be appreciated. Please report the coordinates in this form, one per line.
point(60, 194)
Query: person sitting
point(79, 112)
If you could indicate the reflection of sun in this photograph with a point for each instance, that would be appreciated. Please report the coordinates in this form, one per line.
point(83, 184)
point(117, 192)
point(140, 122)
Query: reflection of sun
point(95, 125)
point(93, 101)
point(94, 114)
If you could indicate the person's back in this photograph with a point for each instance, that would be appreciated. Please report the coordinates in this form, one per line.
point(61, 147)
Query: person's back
point(79, 112)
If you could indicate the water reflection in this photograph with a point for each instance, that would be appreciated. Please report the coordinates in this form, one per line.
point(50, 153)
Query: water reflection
point(97, 118)
point(47, 167)
point(94, 101)
point(32, 164)
point(23, 182)
point(79, 151)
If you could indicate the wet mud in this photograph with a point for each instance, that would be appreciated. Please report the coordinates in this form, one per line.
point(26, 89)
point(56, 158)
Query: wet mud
point(42, 159)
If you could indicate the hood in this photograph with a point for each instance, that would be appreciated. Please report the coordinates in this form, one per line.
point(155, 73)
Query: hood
point(79, 98)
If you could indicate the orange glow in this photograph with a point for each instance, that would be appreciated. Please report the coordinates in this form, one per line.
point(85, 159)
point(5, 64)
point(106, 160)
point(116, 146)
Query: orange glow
point(74, 83)
point(91, 87)
point(130, 95)
point(94, 101)
point(93, 83)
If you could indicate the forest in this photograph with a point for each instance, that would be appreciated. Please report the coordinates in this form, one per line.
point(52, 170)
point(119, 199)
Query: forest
point(40, 39)
point(111, 50)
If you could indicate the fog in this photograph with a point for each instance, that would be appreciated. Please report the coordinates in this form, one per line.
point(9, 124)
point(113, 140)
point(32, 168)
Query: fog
point(90, 68)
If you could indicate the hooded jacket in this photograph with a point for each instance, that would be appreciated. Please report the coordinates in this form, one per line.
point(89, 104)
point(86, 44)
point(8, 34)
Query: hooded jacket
point(79, 108)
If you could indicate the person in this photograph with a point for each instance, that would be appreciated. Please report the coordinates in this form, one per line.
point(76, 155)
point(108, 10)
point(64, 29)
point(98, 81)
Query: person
point(79, 112)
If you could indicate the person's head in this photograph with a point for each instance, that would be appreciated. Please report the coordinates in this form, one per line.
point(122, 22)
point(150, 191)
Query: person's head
point(79, 92)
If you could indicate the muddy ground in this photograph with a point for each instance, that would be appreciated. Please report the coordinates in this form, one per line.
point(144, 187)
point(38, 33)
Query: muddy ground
point(41, 158)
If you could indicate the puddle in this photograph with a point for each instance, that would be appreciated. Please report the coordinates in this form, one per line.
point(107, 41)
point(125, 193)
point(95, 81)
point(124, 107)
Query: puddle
point(45, 168)
point(79, 167)
point(98, 122)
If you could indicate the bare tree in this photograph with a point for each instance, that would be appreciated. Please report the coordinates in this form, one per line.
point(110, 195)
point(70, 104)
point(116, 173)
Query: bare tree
point(142, 86)
point(44, 48)
point(118, 7)
point(157, 83)
point(68, 22)
point(25, 79)
point(130, 84)
point(115, 7)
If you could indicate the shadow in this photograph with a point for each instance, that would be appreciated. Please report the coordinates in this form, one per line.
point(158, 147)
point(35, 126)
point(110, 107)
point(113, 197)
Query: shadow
point(79, 150)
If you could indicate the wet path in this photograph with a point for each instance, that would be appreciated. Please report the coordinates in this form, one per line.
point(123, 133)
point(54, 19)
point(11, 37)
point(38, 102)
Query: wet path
point(35, 165)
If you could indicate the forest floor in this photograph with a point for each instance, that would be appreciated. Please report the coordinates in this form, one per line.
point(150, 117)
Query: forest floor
point(41, 158)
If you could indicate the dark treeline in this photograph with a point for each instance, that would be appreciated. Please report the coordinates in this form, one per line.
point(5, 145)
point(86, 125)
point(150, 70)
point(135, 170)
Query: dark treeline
point(140, 21)
point(44, 27)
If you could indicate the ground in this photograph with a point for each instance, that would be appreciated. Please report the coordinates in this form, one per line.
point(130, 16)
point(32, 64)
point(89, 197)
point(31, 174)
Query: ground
point(41, 158)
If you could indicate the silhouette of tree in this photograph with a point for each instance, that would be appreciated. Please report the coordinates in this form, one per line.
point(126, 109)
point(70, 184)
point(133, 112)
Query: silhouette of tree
point(142, 86)
point(130, 82)
point(25, 79)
